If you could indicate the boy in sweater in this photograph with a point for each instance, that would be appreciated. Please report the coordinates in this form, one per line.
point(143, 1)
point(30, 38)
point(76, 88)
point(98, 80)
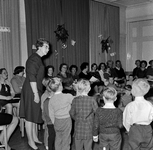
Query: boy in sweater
point(137, 117)
point(59, 107)
point(82, 111)
point(107, 122)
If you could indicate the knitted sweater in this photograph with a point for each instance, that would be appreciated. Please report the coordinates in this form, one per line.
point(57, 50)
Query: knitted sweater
point(107, 121)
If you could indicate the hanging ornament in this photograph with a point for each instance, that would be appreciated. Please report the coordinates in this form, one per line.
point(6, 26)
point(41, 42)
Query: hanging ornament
point(61, 33)
point(64, 46)
point(106, 44)
point(112, 54)
point(73, 42)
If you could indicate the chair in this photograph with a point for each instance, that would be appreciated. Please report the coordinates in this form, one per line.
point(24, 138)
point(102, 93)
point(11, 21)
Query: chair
point(22, 126)
point(3, 128)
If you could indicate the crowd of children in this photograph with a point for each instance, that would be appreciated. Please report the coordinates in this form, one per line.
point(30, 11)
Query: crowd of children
point(82, 119)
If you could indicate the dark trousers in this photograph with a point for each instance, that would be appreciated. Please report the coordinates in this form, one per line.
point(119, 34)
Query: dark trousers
point(110, 141)
point(140, 137)
point(51, 137)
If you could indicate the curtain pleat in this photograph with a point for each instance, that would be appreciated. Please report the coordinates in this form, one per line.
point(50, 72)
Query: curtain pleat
point(42, 18)
point(104, 22)
point(10, 41)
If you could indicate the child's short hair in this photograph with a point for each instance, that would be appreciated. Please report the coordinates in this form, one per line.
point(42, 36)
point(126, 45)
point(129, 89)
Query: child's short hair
point(140, 87)
point(55, 83)
point(110, 93)
point(83, 86)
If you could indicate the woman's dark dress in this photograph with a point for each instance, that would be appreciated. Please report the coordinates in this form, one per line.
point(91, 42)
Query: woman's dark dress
point(29, 109)
point(5, 119)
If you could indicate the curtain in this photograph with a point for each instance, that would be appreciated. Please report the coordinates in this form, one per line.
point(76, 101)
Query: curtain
point(42, 18)
point(104, 22)
point(9, 41)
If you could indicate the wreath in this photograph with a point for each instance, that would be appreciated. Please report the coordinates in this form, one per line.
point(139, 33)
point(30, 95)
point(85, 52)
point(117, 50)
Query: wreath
point(106, 44)
point(61, 33)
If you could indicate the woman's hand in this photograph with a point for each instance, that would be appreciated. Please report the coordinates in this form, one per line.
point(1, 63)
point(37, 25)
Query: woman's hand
point(36, 97)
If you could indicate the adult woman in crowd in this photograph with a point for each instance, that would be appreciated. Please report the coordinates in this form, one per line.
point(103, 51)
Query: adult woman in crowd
point(17, 83)
point(141, 72)
point(137, 63)
point(31, 92)
point(120, 77)
point(49, 71)
point(64, 74)
point(73, 70)
point(6, 91)
point(102, 68)
point(84, 74)
point(98, 84)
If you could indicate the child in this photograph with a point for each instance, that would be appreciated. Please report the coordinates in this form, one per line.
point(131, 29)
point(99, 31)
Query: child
point(108, 120)
point(49, 134)
point(137, 117)
point(126, 97)
point(130, 80)
point(82, 111)
point(59, 107)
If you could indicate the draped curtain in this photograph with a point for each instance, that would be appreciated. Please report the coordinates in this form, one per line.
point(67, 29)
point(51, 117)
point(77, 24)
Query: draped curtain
point(104, 22)
point(10, 41)
point(42, 18)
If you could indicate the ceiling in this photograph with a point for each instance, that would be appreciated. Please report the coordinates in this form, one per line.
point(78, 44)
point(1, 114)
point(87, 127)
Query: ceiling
point(128, 3)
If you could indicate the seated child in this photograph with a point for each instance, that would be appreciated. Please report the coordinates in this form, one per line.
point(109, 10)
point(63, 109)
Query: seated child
point(130, 80)
point(59, 107)
point(126, 97)
point(137, 117)
point(107, 122)
point(82, 111)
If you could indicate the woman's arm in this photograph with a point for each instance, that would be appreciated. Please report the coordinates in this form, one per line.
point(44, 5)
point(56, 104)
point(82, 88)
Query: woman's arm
point(35, 91)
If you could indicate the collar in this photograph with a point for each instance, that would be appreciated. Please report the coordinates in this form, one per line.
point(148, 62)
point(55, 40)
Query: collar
point(109, 105)
point(117, 68)
point(59, 92)
point(139, 98)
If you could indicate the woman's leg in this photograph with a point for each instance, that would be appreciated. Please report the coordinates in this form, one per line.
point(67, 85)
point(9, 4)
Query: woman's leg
point(29, 130)
point(9, 108)
point(16, 105)
point(10, 129)
point(35, 133)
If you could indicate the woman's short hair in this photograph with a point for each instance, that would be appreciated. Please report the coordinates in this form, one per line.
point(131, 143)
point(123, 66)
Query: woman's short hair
point(1, 70)
point(40, 42)
point(73, 66)
point(84, 65)
point(18, 69)
point(61, 65)
point(143, 61)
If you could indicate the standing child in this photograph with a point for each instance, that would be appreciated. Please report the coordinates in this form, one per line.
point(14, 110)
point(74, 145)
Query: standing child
point(107, 122)
point(82, 111)
point(49, 133)
point(137, 117)
point(59, 107)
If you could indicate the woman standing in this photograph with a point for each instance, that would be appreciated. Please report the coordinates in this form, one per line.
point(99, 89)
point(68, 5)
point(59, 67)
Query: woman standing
point(31, 92)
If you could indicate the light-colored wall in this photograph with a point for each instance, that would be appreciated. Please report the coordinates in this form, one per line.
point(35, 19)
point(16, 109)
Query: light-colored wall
point(139, 16)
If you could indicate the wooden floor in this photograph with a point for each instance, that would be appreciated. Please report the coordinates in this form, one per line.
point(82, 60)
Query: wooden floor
point(20, 143)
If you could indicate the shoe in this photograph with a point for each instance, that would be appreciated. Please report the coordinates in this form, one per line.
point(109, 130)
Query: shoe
point(30, 148)
point(39, 143)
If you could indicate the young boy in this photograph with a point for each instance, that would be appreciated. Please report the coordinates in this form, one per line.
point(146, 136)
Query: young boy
point(59, 107)
point(137, 117)
point(49, 134)
point(107, 122)
point(82, 111)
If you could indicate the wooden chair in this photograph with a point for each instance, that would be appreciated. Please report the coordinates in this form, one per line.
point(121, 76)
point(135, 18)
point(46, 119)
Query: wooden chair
point(3, 128)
